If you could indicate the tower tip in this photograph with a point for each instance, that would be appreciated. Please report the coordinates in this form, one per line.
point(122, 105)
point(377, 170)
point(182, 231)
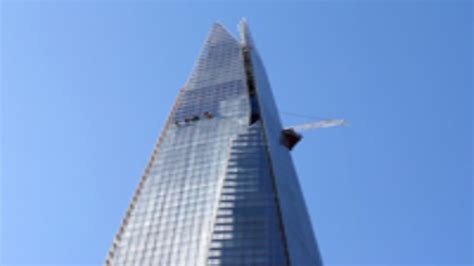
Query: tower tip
point(245, 37)
point(219, 33)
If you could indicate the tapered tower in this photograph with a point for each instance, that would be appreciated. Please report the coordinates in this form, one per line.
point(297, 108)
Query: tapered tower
point(220, 187)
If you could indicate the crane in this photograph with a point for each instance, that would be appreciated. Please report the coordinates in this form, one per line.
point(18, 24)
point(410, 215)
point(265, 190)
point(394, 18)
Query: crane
point(319, 124)
point(290, 135)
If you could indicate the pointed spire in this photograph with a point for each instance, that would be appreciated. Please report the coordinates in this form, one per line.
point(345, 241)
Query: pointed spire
point(220, 45)
point(245, 37)
point(219, 34)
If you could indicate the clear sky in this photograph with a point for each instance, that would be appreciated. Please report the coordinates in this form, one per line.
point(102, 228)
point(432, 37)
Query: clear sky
point(86, 87)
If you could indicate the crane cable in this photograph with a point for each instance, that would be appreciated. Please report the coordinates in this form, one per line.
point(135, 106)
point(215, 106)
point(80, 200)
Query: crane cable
point(303, 116)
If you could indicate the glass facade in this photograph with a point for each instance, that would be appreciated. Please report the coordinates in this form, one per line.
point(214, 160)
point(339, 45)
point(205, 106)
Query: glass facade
point(219, 185)
point(247, 228)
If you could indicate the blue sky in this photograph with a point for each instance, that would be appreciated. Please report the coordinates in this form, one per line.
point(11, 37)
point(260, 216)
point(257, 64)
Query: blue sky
point(86, 87)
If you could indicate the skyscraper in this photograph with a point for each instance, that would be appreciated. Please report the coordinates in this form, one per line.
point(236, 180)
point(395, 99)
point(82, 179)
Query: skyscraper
point(220, 187)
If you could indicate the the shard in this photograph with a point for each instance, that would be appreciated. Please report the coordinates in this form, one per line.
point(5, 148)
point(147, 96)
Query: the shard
point(220, 187)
